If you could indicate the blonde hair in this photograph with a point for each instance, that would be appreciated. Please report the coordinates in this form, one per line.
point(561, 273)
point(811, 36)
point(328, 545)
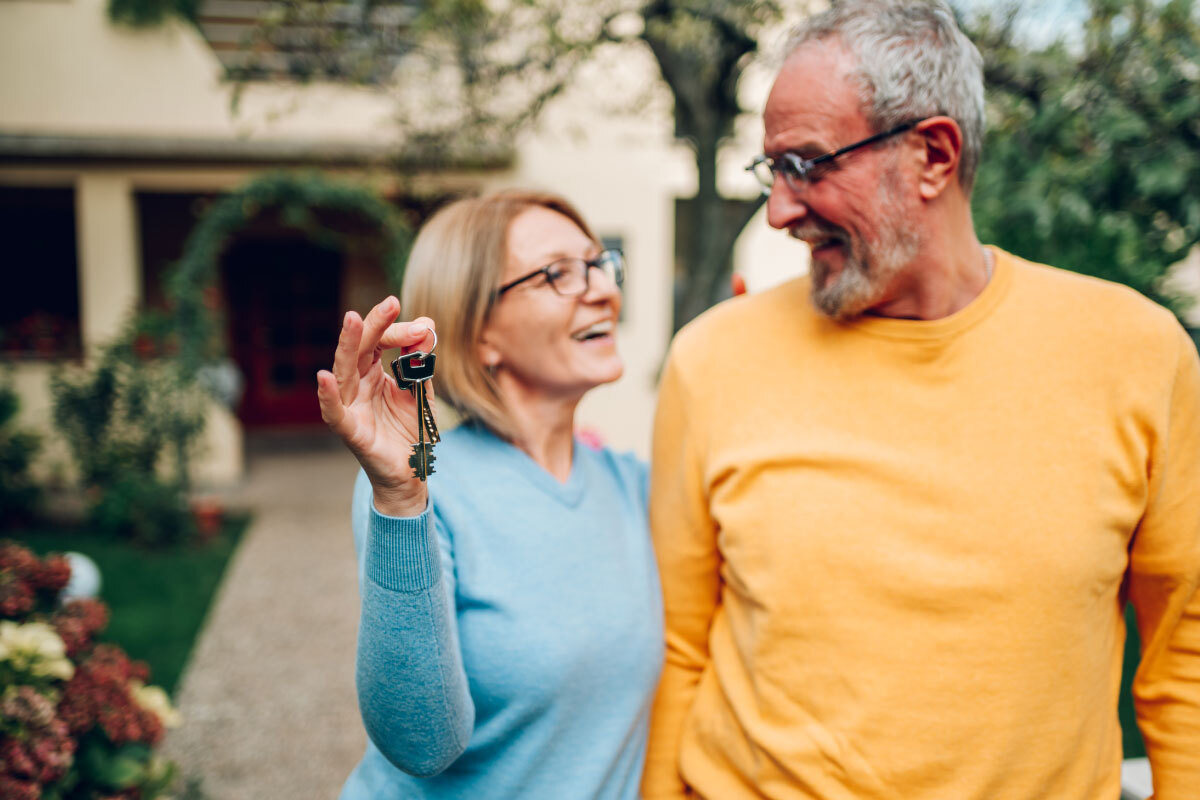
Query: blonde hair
point(451, 277)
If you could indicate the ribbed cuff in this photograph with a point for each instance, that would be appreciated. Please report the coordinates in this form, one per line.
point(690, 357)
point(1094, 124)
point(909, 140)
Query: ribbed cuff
point(402, 552)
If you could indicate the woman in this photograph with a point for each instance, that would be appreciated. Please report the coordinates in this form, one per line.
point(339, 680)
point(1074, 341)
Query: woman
point(511, 635)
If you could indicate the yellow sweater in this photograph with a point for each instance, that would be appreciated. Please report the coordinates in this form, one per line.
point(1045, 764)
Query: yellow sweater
point(895, 553)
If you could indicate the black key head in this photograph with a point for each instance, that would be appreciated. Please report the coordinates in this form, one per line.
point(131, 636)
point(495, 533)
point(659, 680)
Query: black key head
point(413, 368)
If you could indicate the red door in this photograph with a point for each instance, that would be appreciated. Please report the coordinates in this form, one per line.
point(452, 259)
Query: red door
point(284, 302)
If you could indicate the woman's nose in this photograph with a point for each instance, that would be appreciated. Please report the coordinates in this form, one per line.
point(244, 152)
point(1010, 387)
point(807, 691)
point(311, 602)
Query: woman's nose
point(600, 286)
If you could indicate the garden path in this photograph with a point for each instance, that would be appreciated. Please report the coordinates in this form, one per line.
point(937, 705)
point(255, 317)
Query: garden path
point(268, 697)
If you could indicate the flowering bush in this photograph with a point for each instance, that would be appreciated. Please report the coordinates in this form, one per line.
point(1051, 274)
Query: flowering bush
point(77, 720)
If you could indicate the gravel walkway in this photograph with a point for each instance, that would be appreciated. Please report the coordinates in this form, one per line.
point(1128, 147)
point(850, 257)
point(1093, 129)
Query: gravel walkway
point(268, 698)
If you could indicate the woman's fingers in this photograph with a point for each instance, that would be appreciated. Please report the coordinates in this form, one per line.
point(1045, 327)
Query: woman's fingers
point(332, 410)
point(345, 358)
point(417, 334)
point(377, 321)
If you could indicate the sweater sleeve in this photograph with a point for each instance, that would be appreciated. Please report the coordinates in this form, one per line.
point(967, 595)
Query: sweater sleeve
point(1163, 576)
point(685, 544)
point(412, 689)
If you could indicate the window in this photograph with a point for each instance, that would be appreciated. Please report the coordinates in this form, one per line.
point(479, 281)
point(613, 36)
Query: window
point(39, 304)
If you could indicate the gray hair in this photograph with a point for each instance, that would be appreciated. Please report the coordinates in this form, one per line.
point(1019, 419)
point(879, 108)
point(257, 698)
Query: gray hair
point(913, 62)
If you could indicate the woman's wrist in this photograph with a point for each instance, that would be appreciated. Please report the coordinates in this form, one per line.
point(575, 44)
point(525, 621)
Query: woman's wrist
point(402, 502)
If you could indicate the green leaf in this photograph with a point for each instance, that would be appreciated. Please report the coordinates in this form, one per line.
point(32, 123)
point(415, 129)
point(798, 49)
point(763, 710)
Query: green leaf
point(116, 768)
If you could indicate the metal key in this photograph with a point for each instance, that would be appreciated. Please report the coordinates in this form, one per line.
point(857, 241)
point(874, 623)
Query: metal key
point(412, 372)
point(413, 368)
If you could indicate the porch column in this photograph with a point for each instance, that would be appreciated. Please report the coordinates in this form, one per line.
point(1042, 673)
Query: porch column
point(109, 255)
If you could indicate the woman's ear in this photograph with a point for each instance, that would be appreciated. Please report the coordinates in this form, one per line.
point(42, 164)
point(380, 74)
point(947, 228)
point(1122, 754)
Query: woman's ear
point(489, 354)
point(942, 141)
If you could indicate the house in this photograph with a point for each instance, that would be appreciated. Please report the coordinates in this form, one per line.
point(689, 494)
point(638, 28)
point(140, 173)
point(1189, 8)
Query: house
point(113, 140)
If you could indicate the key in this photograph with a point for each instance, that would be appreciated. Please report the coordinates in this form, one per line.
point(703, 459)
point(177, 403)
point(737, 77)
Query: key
point(421, 460)
point(412, 372)
point(413, 368)
point(431, 428)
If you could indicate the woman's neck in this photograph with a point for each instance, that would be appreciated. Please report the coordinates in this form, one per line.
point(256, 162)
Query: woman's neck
point(544, 427)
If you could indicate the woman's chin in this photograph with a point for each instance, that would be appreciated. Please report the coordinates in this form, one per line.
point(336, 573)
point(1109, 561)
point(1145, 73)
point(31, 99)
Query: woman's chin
point(615, 370)
point(610, 373)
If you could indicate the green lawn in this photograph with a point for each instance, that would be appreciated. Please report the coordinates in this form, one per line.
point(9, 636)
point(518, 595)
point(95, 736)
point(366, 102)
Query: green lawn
point(158, 597)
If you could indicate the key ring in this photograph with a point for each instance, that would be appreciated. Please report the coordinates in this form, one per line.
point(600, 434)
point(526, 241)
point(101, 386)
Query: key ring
point(434, 345)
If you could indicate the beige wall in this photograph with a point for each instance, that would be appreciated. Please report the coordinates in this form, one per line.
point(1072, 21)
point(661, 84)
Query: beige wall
point(32, 382)
point(109, 259)
point(64, 70)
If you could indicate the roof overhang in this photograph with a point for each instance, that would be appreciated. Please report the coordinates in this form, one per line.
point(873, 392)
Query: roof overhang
point(51, 148)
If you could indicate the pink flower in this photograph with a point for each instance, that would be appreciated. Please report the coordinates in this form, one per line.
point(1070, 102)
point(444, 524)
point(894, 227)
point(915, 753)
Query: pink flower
point(53, 574)
point(99, 696)
point(28, 707)
point(16, 597)
point(18, 789)
point(78, 622)
point(590, 437)
point(17, 560)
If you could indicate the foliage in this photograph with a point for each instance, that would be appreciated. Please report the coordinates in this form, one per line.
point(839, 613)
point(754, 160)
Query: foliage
point(1089, 162)
point(120, 416)
point(301, 201)
point(158, 597)
point(468, 75)
point(140, 400)
point(147, 13)
point(703, 50)
point(19, 495)
point(78, 720)
point(1093, 153)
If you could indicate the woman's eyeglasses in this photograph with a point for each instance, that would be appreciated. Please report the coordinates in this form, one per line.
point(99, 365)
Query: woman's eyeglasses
point(569, 276)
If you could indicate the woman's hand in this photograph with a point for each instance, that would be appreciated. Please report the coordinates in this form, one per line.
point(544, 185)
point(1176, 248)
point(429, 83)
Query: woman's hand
point(374, 417)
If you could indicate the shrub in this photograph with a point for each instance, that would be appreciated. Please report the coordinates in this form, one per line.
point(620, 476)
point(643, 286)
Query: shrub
point(120, 416)
point(77, 720)
point(19, 495)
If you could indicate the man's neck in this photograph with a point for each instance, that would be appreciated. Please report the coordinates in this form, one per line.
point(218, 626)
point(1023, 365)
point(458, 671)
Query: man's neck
point(948, 272)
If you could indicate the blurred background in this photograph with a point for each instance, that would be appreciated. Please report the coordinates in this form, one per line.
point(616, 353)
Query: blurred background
point(192, 192)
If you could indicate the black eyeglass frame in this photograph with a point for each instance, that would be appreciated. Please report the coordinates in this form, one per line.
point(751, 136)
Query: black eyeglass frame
point(801, 169)
point(589, 263)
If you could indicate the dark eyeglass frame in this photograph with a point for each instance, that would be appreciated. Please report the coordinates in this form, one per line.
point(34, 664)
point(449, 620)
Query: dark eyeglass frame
point(797, 170)
point(611, 254)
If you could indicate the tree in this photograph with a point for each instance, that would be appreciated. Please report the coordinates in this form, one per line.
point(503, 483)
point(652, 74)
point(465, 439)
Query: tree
point(468, 74)
point(1090, 161)
point(1092, 158)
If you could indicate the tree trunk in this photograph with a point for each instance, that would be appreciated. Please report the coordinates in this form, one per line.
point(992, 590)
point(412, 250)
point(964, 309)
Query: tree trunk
point(708, 227)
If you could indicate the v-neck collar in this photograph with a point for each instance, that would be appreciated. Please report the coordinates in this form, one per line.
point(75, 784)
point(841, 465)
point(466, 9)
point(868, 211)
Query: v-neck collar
point(569, 494)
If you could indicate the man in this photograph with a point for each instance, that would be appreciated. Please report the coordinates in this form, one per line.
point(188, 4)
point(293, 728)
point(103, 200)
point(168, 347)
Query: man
point(897, 525)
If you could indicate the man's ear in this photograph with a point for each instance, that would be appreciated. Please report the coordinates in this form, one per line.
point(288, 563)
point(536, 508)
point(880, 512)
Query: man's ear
point(942, 151)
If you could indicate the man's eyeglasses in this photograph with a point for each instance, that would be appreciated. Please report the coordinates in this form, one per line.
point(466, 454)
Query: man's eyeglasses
point(799, 171)
point(569, 276)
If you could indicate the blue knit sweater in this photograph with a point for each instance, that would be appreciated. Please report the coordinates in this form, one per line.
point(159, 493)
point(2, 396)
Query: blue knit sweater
point(511, 636)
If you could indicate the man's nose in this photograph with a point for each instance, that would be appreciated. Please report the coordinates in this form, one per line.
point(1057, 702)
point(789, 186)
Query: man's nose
point(784, 206)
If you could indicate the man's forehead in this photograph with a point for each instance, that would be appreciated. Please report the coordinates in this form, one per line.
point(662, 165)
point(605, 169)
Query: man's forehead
point(814, 94)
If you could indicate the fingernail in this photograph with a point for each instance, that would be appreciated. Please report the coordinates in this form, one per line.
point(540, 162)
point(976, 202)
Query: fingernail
point(346, 319)
point(417, 327)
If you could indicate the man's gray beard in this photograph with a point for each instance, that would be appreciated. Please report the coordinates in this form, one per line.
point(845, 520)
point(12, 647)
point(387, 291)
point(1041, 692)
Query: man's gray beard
point(868, 270)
